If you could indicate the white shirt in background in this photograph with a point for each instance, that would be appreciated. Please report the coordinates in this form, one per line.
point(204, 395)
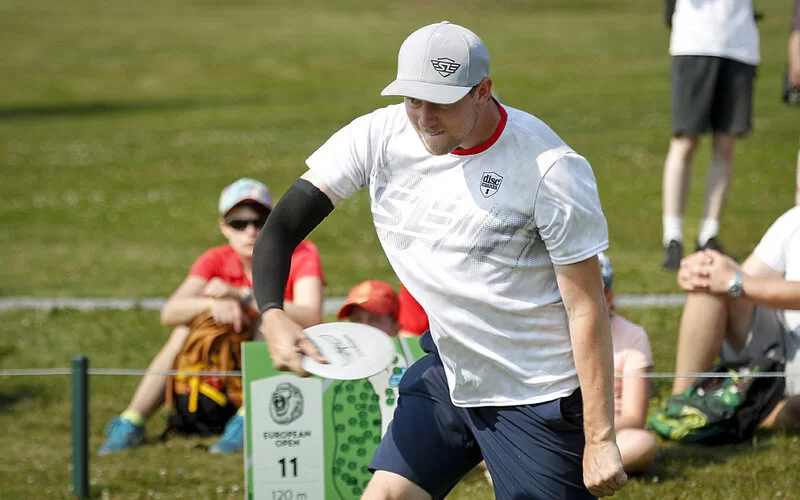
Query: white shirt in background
point(722, 28)
point(780, 249)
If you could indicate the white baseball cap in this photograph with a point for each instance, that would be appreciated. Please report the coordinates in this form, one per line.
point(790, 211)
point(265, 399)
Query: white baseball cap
point(439, 63)
point(244, 190)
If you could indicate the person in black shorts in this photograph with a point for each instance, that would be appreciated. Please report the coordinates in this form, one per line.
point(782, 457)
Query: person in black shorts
point(715, 53)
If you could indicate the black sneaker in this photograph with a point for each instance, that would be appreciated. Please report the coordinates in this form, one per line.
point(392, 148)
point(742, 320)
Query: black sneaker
point(673, 253)
point(711, 244)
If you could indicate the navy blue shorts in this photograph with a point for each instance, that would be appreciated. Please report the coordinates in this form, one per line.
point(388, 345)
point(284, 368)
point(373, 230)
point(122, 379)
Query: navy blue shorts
point(532, 451)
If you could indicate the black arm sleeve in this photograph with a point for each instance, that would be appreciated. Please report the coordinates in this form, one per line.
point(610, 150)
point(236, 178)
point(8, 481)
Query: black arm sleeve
point(297, 213)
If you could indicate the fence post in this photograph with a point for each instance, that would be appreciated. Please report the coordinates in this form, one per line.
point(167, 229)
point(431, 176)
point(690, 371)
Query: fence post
point(80, 426)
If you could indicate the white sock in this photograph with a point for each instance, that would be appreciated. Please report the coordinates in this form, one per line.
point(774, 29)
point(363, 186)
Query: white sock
point(673, 229)
point(708, 229)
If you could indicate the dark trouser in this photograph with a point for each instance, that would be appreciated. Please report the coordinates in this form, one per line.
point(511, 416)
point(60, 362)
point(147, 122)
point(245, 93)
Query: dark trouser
point(532, 451)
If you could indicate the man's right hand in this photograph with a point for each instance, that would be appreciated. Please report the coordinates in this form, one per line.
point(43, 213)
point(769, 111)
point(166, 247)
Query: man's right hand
point(287, 342)
point(603, 474)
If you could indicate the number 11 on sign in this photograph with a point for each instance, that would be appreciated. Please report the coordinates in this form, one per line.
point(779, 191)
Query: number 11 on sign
point(292, 464)
point(287, 438)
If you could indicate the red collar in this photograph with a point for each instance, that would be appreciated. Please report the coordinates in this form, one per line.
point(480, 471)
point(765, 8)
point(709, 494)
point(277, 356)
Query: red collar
point(501, 125)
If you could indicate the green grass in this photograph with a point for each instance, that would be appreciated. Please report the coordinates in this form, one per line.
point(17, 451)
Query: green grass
point(35, 411)
point(120, 122)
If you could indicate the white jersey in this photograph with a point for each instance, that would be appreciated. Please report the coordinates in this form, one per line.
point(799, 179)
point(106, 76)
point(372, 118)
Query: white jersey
point(722, 28)
point(474, 235)
point(780, 249)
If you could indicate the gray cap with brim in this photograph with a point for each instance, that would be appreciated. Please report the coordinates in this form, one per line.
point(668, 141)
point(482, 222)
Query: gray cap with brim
point(439, 63)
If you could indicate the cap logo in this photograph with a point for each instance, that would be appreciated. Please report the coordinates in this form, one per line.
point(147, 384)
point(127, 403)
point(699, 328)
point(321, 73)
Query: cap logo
point(445, 66)
point(490, 183)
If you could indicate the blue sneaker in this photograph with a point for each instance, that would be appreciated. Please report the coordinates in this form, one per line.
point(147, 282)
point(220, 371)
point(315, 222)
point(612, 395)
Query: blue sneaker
point(122, 434)
point(232, 439)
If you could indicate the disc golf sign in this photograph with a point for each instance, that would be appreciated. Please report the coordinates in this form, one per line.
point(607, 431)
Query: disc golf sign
point(313, 438)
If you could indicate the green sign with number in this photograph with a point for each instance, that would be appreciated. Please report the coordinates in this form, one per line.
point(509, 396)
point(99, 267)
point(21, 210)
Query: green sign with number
point(314, 438)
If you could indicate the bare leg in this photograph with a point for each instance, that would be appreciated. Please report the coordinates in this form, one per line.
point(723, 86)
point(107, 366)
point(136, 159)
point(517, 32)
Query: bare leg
point(677, 175)
point(705, 322)
point(386, 485)
point(638, 448)
point(702, 330)
point(149, 394)
point(785, 416)
point(482, 466)
point(719, 175)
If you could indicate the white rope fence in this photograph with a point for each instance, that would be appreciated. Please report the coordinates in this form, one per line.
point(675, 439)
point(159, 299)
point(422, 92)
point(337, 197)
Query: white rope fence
point(36, 372)
point(330, 306)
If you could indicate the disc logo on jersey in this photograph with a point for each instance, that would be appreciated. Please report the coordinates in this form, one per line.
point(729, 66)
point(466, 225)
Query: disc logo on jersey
point(445, 66)
point(286, 404)
point(490, 183)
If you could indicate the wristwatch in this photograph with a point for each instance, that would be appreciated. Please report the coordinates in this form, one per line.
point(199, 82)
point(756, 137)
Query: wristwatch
point(735, 288)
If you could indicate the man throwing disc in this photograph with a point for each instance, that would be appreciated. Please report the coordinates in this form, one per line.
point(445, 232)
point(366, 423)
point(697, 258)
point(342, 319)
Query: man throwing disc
point(493, 224)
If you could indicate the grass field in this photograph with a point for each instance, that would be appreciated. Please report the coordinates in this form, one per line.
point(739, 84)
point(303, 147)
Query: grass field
point(121, 121)
point(36, 412)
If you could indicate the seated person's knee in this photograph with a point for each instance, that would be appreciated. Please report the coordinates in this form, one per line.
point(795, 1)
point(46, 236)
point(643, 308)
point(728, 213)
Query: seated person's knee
point(788, 417)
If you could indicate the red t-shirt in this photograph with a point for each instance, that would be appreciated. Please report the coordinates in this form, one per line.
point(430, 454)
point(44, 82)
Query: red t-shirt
point(224, 263)
point(413, 318)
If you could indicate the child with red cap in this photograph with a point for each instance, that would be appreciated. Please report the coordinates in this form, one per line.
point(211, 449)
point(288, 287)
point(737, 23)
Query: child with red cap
point(373, 303)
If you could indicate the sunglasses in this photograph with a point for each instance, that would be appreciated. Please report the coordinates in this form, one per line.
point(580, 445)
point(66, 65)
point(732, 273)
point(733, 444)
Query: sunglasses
point(241, 224)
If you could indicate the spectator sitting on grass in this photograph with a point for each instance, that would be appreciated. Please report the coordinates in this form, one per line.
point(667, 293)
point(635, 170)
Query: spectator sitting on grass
point(220, 280)
point(747, 309)
point(373, 303)
point(632, 355)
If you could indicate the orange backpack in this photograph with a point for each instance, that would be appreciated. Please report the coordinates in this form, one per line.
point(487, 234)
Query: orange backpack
point(202, 404)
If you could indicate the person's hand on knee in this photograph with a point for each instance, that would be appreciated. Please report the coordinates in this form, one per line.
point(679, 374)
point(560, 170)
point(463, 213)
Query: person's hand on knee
point(715, 273)
point(692, 267)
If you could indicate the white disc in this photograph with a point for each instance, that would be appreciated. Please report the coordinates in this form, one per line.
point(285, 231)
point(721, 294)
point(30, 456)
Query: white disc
point(353, 350)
